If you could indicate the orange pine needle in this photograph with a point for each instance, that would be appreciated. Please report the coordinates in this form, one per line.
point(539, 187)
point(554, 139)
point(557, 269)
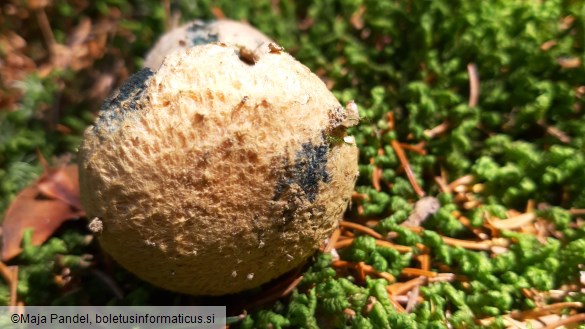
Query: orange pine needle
point(340, 244)
point(332, 241)
point(410, 271)
point(381, 243)
point(404, 287)
point(443, 186)
point(376, 177)
point(438, 130)
point(6, 273)
point(473, 245)
point(406, 165)
point(399, 248)
point(463, 180)
point(390, 120)
point(513, 222)
point(425, 262)
point(572, 319)
point(473, 85)
point(397, 306)
point(13, 286)
point(544, 310)
point(359, 196)
point(577, 212)
point(360, 228)
point(417, 148)
point(363, 269)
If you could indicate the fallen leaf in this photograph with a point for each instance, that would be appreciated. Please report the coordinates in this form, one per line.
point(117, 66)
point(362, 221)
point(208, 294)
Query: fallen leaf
point(43, 207)
point(61, 183)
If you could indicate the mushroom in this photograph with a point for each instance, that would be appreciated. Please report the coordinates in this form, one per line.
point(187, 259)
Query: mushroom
point(216, 174)
point(199, 32)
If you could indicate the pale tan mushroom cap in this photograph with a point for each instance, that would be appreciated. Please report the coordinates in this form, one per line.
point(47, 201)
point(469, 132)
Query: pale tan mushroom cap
point(212, 175)
point(199, 32)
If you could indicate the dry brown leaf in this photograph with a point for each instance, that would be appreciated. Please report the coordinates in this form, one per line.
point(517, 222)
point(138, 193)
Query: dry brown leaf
point(61, 183)
point(43, 207)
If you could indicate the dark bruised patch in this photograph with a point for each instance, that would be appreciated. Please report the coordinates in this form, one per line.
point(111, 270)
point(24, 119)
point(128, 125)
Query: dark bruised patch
point(309, 169)
point(123, 101)
point(199, 34)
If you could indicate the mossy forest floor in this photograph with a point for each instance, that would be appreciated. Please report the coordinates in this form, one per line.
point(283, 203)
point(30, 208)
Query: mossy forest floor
point(479, 104)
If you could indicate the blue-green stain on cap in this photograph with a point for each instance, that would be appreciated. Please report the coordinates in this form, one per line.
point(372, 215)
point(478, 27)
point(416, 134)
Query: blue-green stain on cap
point(121, 103)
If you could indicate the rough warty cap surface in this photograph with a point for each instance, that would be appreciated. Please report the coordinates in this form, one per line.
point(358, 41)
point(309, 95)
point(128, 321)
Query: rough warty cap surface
point(216, 173)
point(199, 32)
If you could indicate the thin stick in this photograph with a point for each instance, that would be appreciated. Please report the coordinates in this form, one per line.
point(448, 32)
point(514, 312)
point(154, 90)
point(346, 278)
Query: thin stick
point(546, 309)
point(572, 319)
point(406, 165)
point(425, 262)
point(359, 196)
point(332, 241)
point(390, 120)
point(45, 26)
point(577, 212)
point(463, 180)
point(6, 273)
point(397, 247)
point(363, 269)
point(417, 148)
point(376, 177)
point(411, 271)
point(14, 286)
point(443, 127)
point(360, 228)
point(472, 245)
point(443, 186)
point(513, 222)
point(473, 84)
point(381, 243)
point(397, 306)
point(404, 287)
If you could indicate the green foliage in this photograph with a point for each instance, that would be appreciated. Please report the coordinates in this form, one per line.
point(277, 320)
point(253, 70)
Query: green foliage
point(523, 140)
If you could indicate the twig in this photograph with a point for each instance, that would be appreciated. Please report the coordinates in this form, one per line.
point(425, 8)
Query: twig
point(473, 84)
point(572, 319)
point(390, 120)
point(438, 130)
point(425, 261)
point(217, 13)
point(376, 177)
point(473, 245)
point(406, 165)
point(463, 180)
point(404, 287)
point(417, 148)
point(332, 240)
point(14, 286)
point(410, 271)
point(513, 222)
point(360, 228)
point(347, 242)
point(443, 186)
point(45, 26)
point(363, 269)
point(577, 212)
point(412, 299)
point(6, 273)
point(546, 309)
point(359, 196)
